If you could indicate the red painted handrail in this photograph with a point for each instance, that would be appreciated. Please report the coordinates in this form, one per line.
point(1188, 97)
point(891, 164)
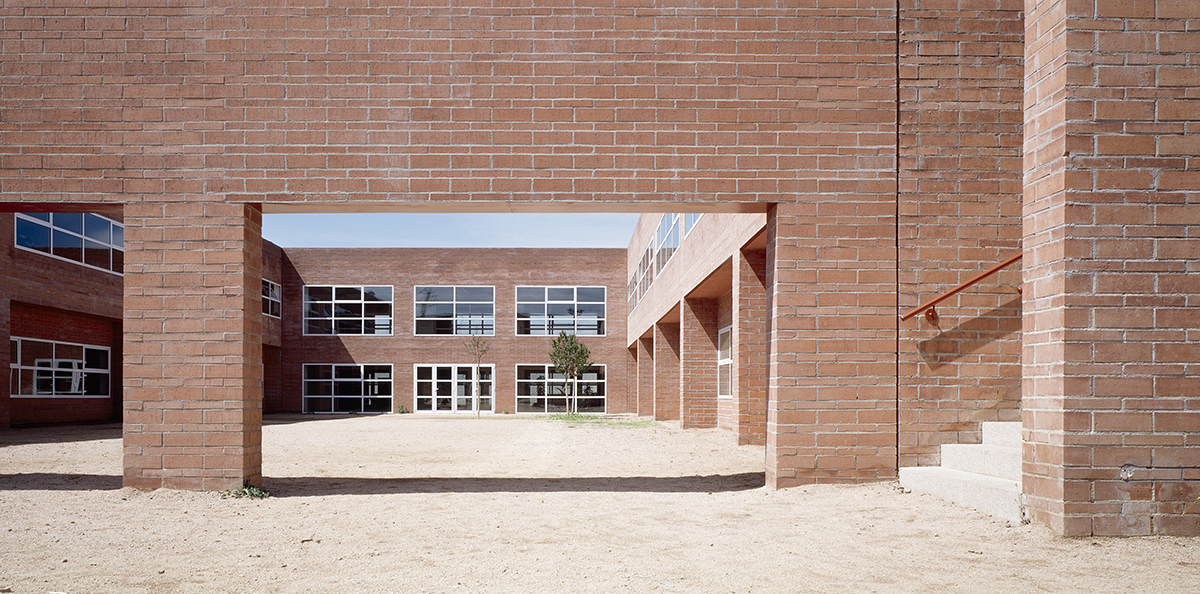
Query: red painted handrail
point(931, 314)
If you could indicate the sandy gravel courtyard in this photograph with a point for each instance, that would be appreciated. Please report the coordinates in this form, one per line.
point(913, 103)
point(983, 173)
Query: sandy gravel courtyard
point(404, 503)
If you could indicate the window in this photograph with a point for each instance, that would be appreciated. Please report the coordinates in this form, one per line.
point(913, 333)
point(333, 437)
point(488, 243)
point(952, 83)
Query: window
point(725, 362)
point(85, 238)
point(546, 311)
point(271, 298)
point(347, 388)
point(668, 238)
point(47, 369)
point(540, 389)
point(454, 310)
point(448, 388)
point(689, 221)
point(347, 310)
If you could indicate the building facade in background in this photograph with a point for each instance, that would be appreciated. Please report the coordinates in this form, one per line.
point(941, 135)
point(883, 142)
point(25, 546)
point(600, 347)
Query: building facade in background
point(344, 330)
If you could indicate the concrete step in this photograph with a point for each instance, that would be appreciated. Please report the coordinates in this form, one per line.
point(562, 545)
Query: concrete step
point(1006, 435)
point(988, 460)
point(990, 495)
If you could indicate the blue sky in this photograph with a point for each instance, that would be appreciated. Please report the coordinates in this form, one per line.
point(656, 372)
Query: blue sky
point(449, 230)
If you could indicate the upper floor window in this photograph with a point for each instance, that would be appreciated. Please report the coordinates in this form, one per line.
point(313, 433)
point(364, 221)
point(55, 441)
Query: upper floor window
point(272, 298)
point(454, 310)
point(85, 238)
point(667, 238)
point(347, 310)
point(546, 311)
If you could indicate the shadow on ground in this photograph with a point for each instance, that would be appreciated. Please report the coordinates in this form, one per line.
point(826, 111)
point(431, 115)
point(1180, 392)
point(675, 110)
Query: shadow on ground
point(317, 486)
point(310, 486)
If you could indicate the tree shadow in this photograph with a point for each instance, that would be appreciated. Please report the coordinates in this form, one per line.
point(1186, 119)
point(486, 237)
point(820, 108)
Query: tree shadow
point(314, 486)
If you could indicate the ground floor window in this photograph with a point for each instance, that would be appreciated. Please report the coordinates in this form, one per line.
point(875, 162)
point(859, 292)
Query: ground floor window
point(49, 369)
point(448, 388)
point(540, 389)
point(347, 388)
point(725, 362)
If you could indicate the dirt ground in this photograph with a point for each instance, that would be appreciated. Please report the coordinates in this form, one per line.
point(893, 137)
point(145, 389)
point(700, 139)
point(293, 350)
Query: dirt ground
point(404, 503)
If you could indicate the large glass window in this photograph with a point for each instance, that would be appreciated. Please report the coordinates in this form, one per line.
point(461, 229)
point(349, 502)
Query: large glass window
point(48, 369)
point(454, 310)
point(84, 238)
point(448, 388)
point(540, 389)
point(546, 311)
point(272, 295)
point(347, 310)
point(725, 362)
point(347, 388)
point(667, 238)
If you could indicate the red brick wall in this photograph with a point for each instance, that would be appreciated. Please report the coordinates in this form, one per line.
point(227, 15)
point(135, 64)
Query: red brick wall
point(1112, 386)
point(751, 345)
point(666, 371)
point(193, 355)
point(645, 376)
point(403, 269)
point(959, 214)
point(408, 103)
point(272, 271)
point(698, 363)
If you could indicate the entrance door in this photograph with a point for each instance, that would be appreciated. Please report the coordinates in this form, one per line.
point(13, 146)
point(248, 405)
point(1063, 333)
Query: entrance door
point(447, 388)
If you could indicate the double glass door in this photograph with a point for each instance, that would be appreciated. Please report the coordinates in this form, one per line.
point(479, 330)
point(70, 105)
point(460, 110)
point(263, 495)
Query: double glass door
point(448, 388)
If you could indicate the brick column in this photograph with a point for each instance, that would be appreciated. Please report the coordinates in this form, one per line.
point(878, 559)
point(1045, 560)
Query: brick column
point(698, 363)
point(666, 371)
point(750, 343)
point(645, 376)
point(193, 354)
point(831, 413)
point(1111, 361)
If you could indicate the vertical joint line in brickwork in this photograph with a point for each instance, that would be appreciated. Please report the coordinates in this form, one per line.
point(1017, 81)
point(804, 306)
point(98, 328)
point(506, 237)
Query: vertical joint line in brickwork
point(896, 236)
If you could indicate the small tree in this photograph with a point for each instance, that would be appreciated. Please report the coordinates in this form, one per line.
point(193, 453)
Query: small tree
point(570, 358)
point(476, 348)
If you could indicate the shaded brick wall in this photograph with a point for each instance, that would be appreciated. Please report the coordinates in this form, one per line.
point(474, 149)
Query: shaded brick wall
point(403, 269)
point(959, 214)
point(698, 363)
point(1111, 389)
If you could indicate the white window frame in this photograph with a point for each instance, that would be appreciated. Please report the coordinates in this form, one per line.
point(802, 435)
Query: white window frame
point(333, 318)
point(272, 295)
point(601, 321)
point(489, 385)
point(334, 380)
point(553, 377)
point(725, 362)
point(455, 305)
point(112, 245)
point(77, 371)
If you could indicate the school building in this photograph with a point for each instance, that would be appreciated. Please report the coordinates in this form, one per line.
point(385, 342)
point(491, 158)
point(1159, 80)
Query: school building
point(851, 159)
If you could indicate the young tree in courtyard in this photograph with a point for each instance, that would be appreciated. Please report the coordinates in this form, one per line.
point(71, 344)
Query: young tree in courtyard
point(476, 348)
point(570, 358)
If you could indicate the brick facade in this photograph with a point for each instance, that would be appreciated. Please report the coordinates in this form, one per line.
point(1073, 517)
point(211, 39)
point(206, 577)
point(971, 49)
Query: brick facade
point(48, 298)
point(404, 269)
point(880, 137)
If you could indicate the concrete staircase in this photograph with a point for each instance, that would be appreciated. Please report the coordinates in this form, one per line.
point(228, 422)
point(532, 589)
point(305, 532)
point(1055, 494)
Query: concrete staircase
point(986, 477)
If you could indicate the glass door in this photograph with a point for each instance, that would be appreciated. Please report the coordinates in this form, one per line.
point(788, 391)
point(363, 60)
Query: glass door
point(448, 388)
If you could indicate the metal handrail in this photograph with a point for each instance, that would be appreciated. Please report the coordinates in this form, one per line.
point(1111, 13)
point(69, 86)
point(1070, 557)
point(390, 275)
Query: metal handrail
point(931, 314)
